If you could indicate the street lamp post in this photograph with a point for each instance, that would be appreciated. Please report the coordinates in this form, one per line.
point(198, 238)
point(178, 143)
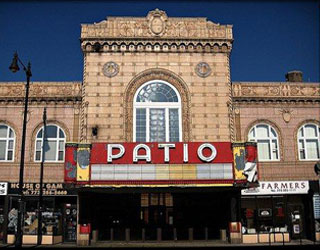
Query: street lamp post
point(39, 239)
point(14, 67)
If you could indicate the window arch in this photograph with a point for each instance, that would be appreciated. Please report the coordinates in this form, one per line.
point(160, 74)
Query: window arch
point(7, 143)
point(157, 113)
point(54, 146)
point(267, 142)
point(308, 142)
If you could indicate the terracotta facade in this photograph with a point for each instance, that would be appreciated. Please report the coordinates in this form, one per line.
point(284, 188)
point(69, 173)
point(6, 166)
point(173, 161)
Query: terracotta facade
point(193, 55)
point(286, 106)
point(63, 102)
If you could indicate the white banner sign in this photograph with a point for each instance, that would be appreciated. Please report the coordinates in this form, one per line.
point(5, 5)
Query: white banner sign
point(278, 187)
point(316, 206)
point(3, 188)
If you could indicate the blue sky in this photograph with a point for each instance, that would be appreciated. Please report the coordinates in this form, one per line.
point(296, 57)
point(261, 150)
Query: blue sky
point(270, 37)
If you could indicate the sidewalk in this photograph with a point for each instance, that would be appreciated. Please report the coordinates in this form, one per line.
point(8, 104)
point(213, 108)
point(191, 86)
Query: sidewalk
point(174, 244)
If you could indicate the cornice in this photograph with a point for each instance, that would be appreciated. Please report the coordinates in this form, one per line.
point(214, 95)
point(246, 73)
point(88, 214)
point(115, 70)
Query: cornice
point(156, 25)
point(156, 33)
point(100, 45)
point(276, 92)
point(41, 92)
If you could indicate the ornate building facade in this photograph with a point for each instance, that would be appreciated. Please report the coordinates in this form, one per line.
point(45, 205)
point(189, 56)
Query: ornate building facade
point(150, 145)
point(283, 118)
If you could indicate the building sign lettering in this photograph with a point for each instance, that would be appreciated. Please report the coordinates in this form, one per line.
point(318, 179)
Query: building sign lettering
point(116, 151)
point(151, 163)
point(161, 153)
point(316, 206)
point(3, 188)
point(34, 189)
point(278, 187)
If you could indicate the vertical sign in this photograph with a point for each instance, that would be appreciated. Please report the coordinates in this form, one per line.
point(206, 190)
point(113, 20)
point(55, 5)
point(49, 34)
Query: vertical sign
point(70, 164)
point(83, 162)
point(239, 154)
point(3, 188)
point(316, 206)
point(251, 167)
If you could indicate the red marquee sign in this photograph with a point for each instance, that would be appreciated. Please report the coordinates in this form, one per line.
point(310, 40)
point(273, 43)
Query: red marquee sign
point(172, 163)
point(161, 153)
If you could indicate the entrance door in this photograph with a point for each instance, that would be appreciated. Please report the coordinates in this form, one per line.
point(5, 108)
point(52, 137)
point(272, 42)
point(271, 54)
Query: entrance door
point(112, 214)
point(157, 216)
point(70, 222)
point(205, 213)
point(296, 221)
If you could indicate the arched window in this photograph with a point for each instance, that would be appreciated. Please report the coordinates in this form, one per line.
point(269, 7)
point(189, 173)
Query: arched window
point(54, 146)
point(267, 141)
point(308, 142)
point(7, 143)
point(157, 113)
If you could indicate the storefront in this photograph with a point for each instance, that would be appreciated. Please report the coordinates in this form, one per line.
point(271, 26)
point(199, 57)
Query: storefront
point(155, 191)
point(156, 214)
point(3, 194)
point(59, 216)
point(282, 207)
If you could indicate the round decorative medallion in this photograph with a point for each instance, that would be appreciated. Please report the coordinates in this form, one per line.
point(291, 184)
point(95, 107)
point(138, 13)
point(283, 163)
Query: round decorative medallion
point(203, 69)
point(157, 25)
point(110, 69)
point(157, 22)
point(236, 111)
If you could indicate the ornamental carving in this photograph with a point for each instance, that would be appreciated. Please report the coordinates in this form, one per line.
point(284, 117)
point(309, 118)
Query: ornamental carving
point(275, 90)
point(14, 91)
point(157, 74)
point(286, 114)
point(56, 90)
point(156, 24)
point(203, 69)
point(65, 90)
point(110, 69)
point(38, 90)
point(153, 45)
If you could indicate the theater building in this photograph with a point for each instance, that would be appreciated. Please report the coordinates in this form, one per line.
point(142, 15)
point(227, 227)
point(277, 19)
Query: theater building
point(156, 117)
point(157, 143)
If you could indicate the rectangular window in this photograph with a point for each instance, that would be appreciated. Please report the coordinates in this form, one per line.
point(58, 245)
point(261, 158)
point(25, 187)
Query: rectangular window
point(3, 131)
point(3, 145)
point(262, 131)
point(10, 155)
point(312, 149)
point(60, 156)
point(252, 134)
point(61, 145)
point(38, 155)
point(264, 150)
point(311, 131)
point(141, 125)
point(61, 150)
point(10, 145)
point(301, 150)
point(173, 125)
point(274, 150)
point(11, 134)
point(61, 135)
point(39, 145)
point(157, 125)
point(301, 133)
point(51, 132)
point(50, 151)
